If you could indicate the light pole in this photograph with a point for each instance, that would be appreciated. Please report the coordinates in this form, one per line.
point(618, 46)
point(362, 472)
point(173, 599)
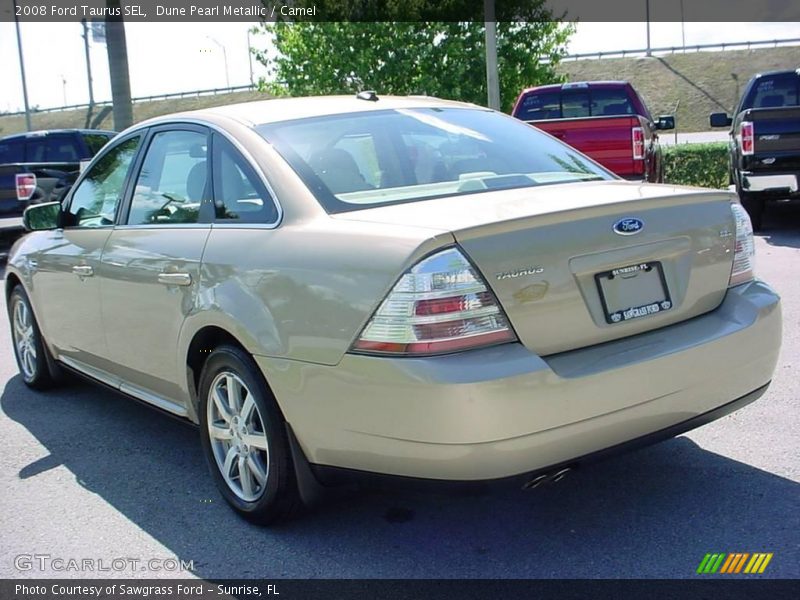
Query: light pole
point(224, 58)
point(250, 57)
point(492, 79)
point(88, 64)
point(647, 4)
point(22, 72)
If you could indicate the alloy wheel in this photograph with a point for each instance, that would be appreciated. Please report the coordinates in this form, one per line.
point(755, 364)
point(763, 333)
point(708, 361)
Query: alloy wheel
point(238, 437)
point(24, 338)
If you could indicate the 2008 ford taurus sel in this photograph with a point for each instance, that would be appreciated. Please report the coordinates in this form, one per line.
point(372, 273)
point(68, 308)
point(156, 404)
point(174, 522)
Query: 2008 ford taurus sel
point(343, 286)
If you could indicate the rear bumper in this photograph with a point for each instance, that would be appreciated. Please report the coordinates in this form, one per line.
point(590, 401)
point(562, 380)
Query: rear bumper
point(778, 184)
point(504, 411)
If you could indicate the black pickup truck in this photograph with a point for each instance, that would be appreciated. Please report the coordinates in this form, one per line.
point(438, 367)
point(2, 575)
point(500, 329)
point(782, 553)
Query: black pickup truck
point(765, 141)
point(41, 166)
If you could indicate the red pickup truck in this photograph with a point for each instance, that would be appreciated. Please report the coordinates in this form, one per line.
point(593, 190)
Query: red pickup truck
point(606, 120)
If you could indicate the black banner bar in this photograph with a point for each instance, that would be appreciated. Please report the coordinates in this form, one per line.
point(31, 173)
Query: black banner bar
point(711, 587)
point(400, 10)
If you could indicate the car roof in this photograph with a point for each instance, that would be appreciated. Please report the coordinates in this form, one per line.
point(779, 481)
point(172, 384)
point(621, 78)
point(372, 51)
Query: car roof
point(578, 84)
point(46, 132)
point(287, 109)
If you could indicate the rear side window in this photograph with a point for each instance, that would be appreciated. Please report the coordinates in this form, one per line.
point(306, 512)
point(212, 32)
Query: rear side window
point(53, 148)
point(12, 151)
point(239, 195)
point(774, 92)
point(540, 106)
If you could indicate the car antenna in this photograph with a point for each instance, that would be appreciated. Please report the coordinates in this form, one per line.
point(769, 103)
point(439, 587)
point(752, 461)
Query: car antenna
point(368, 95)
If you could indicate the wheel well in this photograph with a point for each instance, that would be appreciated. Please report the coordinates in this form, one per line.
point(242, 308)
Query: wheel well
point(202, 345)
point(11, 282)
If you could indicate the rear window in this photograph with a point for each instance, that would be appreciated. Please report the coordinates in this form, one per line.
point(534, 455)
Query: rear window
point(365, 159)
point(52, 148)
point(575, 103)
point(12, 151)
point(774, 92)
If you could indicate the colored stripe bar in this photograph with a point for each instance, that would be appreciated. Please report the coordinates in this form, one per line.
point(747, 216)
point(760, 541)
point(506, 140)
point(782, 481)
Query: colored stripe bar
point(765, 563)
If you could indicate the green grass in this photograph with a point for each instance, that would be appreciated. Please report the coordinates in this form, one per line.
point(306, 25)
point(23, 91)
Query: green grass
point(703, 82)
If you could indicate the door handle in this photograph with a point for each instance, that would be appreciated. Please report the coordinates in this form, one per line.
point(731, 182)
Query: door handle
point(83, 270)
point(175, 278)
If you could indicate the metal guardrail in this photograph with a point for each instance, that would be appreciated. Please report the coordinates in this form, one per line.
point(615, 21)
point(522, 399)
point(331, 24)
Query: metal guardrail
point(192, 94)
point(681, 49)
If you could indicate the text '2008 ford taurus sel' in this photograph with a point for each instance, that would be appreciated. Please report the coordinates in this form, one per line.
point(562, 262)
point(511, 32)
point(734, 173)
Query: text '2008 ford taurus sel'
point(350, 286)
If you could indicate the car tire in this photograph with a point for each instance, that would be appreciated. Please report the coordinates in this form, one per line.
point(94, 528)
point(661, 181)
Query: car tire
point(36, 366)
point(245, 439)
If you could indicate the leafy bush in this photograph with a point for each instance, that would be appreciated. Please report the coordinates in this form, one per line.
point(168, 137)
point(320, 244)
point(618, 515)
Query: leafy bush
point(703, 165)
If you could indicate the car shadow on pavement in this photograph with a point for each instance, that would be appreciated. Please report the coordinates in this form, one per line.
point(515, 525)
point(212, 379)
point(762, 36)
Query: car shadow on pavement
point(782, 224)
point(652, 513)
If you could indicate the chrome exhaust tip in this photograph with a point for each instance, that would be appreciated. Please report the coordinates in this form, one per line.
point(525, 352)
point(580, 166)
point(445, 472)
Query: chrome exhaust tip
point(535, 482)
point(559, 475)
point(546, 478)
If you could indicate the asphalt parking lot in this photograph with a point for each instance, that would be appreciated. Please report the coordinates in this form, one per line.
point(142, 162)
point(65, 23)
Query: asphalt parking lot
point(87, 474)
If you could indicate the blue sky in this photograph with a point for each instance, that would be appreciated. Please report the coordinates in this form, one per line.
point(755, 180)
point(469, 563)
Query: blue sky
point(165, 57)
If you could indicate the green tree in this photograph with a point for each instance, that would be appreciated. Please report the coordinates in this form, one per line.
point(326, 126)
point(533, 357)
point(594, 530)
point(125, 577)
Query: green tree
point(437, 58)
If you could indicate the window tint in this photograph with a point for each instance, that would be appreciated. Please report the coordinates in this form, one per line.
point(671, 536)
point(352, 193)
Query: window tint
point(774, 92)
point(52, 148)
point(421, 153)
point(539, 106)
point(239, 195)
point(95, 141)
point(610, 102)
point(575, 104)
point(12, 151)
point(94, 202)
point(173, 180)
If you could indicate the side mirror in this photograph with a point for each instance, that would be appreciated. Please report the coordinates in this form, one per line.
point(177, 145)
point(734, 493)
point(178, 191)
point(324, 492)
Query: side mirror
point(39, 217)
point(665, 122)
point(720, 120)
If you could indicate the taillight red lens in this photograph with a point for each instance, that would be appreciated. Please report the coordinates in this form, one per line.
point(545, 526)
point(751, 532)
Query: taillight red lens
point(440, 305)
point(26, 185)
point(746, 138)
point(637, 138)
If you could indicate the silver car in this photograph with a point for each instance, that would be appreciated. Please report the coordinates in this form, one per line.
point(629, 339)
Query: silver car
point(342, 287)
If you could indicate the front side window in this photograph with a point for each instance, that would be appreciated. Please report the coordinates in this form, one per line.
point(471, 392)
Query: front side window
point(173, 180)
point(359, 160)
point(95, 200)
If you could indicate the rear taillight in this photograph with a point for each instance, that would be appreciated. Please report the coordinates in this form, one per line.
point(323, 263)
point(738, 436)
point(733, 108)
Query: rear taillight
point(744, 249)
point(440, 305)
point(26, 185)
point(746, 138)
point(637, 138)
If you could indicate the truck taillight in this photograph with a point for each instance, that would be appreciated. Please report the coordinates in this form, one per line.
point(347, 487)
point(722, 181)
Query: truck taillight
point(637, 137)
point(744, 249)
point(440, 305)
point(26, 185)
point(746, 138)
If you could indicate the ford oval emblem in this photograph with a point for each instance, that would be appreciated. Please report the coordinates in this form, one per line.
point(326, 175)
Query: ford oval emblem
point(628, 226)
